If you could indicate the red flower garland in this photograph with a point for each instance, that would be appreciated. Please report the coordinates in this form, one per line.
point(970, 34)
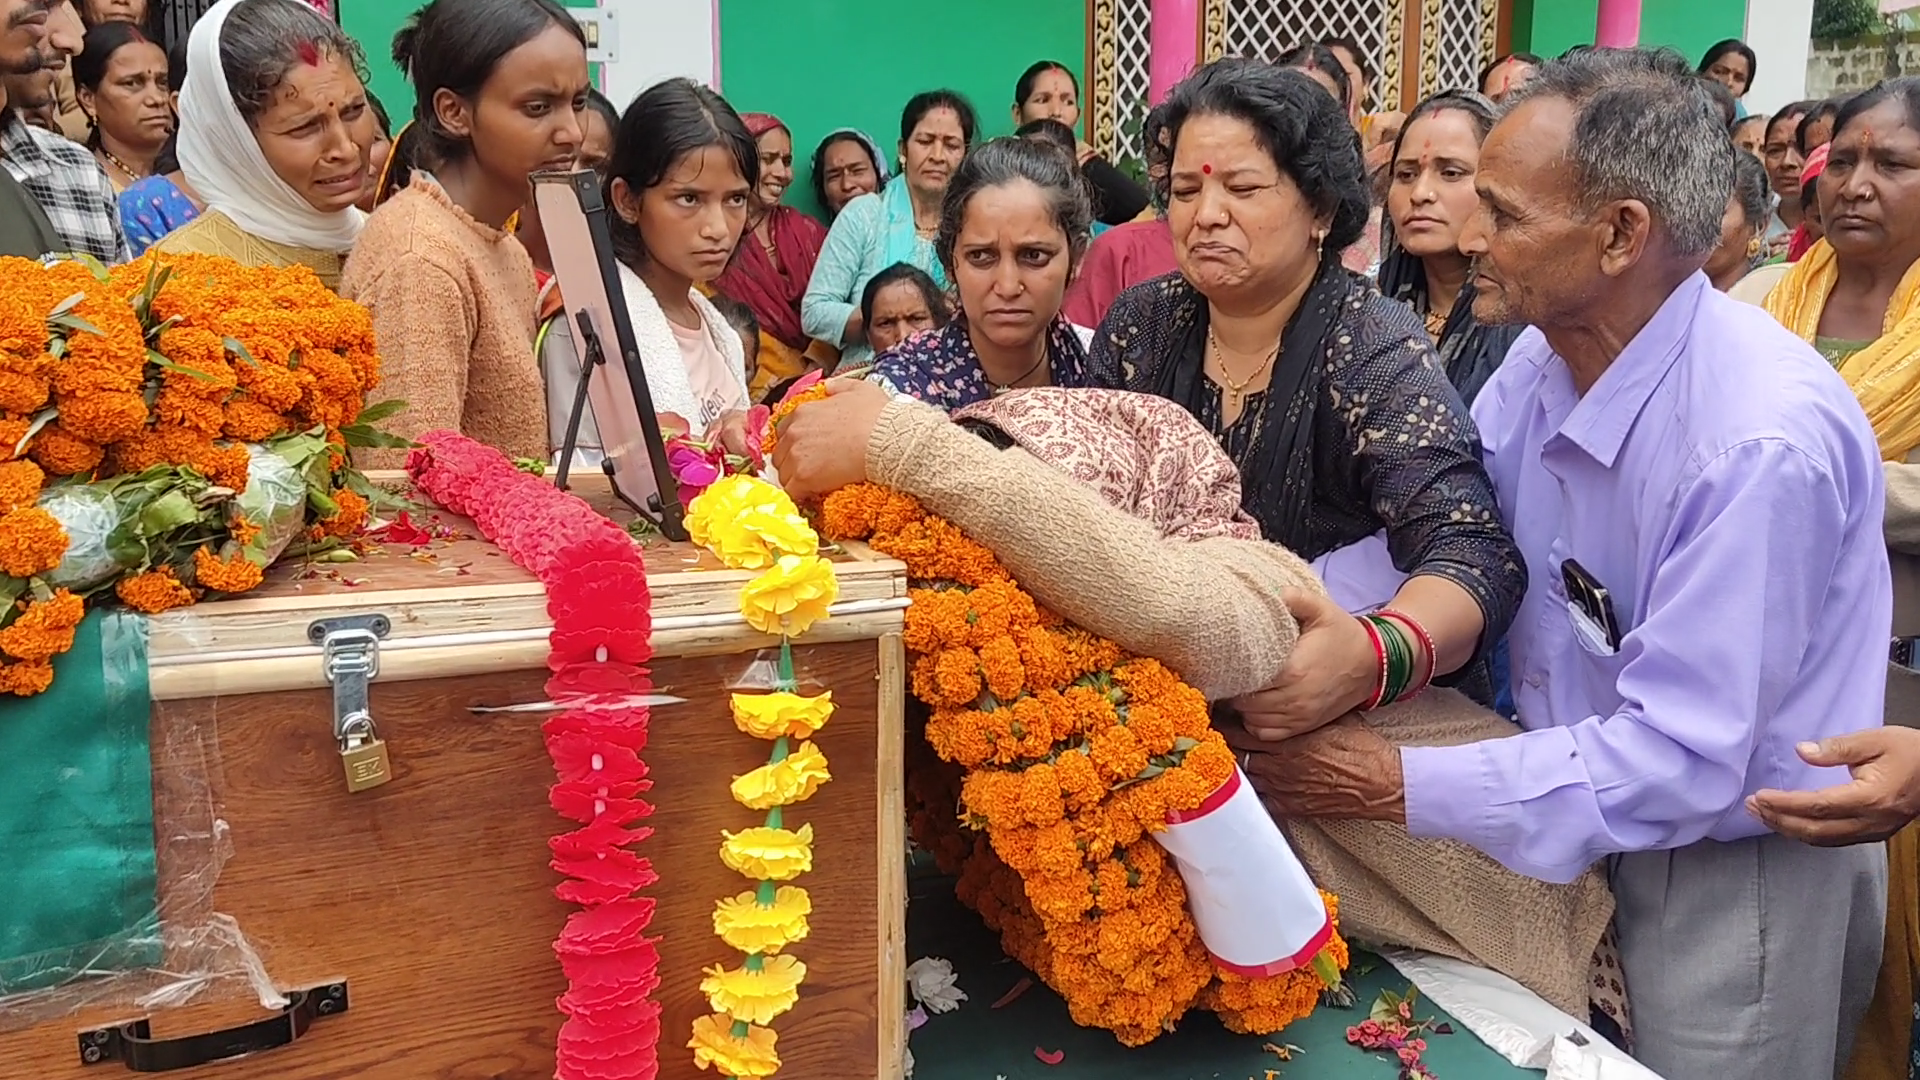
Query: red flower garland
point(601, 641)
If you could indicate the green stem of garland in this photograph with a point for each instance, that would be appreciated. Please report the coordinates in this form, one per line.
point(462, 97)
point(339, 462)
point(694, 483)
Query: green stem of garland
point(780, 750)
point(764, 895)
point(756, 962)
point(775, 819)
point(788, 683)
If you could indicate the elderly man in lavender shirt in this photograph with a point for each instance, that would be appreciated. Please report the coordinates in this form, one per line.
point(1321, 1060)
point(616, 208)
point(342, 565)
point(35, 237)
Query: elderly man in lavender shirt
point(1699, 498)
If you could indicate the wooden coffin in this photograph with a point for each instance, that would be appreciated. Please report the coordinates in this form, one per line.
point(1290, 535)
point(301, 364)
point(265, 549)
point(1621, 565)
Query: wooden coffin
point(430, 897)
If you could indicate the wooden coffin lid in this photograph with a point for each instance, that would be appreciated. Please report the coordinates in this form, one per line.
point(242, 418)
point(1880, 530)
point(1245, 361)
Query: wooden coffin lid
point(459, 607)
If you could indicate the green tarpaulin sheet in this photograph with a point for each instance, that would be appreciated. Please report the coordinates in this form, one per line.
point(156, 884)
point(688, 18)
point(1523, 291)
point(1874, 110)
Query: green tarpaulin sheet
point(77, 866)
point(979, 1042)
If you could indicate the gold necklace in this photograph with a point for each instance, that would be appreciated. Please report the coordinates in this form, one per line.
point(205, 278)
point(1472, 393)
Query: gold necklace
point(121, 165)
point(1437, 324)
point(1238, 390)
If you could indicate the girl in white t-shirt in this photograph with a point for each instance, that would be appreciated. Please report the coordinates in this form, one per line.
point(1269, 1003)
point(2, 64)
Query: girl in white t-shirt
point(682, 171)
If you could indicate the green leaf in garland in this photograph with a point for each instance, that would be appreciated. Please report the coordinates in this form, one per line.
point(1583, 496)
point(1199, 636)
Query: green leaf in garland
point(157, 277)
point(94, 266)
point(74, 324)
point(235, 347)
point(359, 435)
point(378, 497)
point(373, 414)
point(34, 427)
point(164, 364)
point(322, 503)
point(167, 513)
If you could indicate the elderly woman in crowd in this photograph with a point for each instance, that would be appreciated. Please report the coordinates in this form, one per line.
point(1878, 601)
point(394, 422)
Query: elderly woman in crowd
point(1013, 227)
point(1781, 152)
point(897, 225)
point(275, 137)
point(121, 78)
point(1328, 396)
point(1742, 229)
point(1856, 297)
point(898, 303)
point(846, 165)
point(770, 269)
point(1048, 90)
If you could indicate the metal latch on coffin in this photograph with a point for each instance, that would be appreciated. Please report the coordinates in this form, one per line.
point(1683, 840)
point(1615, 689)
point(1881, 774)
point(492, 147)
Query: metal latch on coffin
point(350, 660)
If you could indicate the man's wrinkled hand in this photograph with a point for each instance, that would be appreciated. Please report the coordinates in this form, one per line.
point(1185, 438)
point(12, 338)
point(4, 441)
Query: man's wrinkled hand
point(1342, 770)
point(1880, 800)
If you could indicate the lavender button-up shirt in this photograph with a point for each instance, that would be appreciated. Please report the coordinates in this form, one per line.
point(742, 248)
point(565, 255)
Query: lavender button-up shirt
point(1721, 481)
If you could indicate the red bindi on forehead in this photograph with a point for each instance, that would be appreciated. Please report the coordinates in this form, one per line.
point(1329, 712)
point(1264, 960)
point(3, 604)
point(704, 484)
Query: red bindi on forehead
point(309, 53)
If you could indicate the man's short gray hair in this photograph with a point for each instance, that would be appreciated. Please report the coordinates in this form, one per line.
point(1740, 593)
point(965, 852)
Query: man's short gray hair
point(1645, 129)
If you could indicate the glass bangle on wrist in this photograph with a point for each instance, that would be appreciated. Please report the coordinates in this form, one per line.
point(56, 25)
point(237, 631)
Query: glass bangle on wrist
point(1394, 635)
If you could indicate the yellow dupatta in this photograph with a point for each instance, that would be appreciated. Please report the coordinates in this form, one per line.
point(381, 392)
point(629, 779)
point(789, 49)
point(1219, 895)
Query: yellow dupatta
point(1885, 375)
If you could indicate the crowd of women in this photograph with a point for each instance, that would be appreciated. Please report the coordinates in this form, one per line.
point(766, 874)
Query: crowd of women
point(1295, 278)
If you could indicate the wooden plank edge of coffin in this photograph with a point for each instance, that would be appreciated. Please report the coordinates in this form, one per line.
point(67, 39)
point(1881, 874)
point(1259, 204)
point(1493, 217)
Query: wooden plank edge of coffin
point(259, 644)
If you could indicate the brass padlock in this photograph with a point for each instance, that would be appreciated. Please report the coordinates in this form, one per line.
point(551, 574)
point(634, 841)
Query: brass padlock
point(363, 753)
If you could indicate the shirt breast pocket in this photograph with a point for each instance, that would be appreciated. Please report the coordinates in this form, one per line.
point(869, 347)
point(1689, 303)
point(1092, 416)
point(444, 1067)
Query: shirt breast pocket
point(1600, 663)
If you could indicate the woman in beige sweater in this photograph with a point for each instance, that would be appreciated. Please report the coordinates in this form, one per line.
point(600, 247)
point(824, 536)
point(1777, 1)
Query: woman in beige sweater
point(451, 291)
point(1121, 513)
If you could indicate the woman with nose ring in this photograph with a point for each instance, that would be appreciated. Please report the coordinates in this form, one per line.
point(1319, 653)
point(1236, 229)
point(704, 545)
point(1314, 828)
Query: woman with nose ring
point(1430, 199)
point(1012, 228)
point(897, 225)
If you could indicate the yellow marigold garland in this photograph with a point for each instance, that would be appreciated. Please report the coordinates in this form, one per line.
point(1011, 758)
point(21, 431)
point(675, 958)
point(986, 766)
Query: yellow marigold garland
point(1063, 754)
point(752, 525)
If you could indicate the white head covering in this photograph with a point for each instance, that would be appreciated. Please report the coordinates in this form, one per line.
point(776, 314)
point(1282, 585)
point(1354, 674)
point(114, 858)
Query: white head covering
point(222, 160)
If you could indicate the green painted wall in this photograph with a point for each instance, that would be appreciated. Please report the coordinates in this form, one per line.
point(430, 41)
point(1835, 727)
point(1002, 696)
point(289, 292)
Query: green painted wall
point(372, 23)
point(825, 64)
point(1690, 26)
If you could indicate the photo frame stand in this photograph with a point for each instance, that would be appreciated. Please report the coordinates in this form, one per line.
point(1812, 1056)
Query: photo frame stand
point(574, 214)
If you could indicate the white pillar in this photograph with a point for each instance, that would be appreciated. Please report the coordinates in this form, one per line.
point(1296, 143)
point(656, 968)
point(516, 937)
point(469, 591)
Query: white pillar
point(660, 39)
point(1779, 32)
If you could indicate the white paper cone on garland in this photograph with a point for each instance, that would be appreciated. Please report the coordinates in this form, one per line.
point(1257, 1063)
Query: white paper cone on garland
point(1256, 909)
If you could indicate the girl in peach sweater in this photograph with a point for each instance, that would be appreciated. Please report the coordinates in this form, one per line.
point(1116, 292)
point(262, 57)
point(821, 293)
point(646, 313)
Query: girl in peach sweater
point(498, 86)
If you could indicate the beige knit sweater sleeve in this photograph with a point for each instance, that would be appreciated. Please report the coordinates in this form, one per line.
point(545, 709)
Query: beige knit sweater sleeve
point(423, 319)
point(1209, 609)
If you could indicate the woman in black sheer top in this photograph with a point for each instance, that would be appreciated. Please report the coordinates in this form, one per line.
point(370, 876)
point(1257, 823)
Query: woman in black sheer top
point(1328, 396)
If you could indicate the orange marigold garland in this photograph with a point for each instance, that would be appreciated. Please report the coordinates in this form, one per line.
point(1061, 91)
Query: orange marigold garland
point(144, 400)
point(1061, 753)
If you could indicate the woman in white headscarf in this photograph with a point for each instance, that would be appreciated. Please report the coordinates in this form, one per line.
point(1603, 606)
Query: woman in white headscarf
point(274, 133)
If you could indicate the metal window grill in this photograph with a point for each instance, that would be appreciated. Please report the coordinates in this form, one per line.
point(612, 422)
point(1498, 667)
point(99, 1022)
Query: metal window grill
point(172, 20)
point(1267, 29)
point(1132, 21)
point(1466, 42)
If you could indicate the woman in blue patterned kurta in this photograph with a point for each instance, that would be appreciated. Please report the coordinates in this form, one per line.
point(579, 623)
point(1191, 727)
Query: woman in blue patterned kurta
point(1013, 227)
